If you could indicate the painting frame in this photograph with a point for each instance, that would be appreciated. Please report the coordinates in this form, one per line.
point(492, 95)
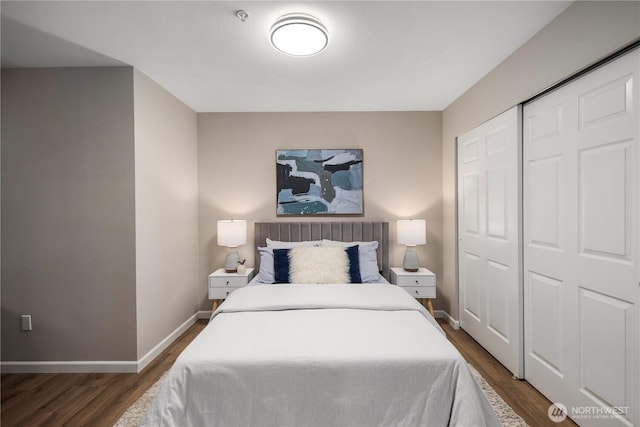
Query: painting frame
point(319, 182)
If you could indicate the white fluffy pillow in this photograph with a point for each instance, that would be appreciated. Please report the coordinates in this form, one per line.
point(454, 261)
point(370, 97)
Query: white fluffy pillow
point(322, 265)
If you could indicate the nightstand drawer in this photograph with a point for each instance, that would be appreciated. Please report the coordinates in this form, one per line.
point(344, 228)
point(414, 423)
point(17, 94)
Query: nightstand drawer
point(421, 291)
point(222, 284)
point(420, 284)
point(416, 280)
point(229, 281)
point(221, 293)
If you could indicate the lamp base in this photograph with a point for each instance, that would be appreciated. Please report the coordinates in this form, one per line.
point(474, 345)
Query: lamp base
point(231, 262)
point(410, 260)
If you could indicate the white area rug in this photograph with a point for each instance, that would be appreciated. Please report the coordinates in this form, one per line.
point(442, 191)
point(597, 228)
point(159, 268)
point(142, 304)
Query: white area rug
point(506, 415)
point(134, 413)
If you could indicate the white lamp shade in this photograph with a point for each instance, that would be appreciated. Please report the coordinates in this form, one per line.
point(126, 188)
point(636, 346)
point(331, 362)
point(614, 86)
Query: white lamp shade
point(412, 232)
point(232, 232)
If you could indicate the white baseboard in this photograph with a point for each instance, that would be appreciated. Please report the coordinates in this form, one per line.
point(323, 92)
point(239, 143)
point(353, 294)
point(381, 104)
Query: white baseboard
point(70, 367)
point(162, 345)
point(455, 324)
point(106, 366)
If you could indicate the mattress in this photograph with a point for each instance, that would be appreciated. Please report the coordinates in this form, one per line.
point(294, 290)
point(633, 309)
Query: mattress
point(320, 355)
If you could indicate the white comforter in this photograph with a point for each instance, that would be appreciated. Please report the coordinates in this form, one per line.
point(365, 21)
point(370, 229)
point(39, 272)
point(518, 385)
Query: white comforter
point(320, 355)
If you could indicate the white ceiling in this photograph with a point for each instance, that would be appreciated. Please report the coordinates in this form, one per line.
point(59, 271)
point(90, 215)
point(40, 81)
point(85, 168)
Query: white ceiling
point(382, 55)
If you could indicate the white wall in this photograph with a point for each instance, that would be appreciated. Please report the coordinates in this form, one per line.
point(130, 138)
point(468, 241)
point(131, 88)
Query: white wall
point(237, 171)
point(584, 33)
point(166, 201)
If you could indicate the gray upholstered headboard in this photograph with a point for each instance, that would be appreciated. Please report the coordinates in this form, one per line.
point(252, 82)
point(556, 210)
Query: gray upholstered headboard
point(343, 231)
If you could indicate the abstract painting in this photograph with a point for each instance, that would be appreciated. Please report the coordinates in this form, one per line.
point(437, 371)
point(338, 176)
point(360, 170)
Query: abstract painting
point(319, 182)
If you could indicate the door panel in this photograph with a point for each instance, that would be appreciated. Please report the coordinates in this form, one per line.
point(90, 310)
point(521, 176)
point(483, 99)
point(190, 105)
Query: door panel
point(470, 150)
point(497, 141)
point(544, 202)
point(606, 102)
point(603, 347)
point(581, 237)
point(544, 125)
point(498, 303)
point(472, 296)
point(545, 331)
point(605, 181)
point(497, 203)
point(490, 274)
point(471, 204)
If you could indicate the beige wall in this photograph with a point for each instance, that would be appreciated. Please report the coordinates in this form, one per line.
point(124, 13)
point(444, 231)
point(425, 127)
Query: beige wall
point(582, 34)
point(99, 190)
point(100, 215)
point(236, 155)
point(166, 201)
point(68, 248)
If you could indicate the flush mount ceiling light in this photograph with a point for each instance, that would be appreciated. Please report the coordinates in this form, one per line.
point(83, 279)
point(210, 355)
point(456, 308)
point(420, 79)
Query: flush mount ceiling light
point(298, 34)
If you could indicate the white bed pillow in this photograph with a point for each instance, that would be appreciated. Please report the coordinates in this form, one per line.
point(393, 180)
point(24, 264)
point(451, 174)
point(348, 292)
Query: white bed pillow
point(368, 256)
point(327, 242)
point(266, 273)
point(277, 244)
point(319, 264)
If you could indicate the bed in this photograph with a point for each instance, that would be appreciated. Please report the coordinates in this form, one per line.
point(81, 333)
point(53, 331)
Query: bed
point(333, 354)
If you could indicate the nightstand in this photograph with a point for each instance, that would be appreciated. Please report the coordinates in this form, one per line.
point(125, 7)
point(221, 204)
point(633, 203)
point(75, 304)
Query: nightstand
point(221, 284)
point(420, 285)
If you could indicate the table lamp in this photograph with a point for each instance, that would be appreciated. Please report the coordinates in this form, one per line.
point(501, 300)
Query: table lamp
point(232, 233)
point(411, 232)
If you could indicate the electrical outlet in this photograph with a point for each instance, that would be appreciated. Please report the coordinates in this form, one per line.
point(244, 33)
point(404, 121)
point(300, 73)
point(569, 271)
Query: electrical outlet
point(25, 322)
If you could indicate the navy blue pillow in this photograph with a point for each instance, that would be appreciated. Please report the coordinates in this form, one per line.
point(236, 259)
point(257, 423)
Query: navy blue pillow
point(354, 264)
point(281, 265)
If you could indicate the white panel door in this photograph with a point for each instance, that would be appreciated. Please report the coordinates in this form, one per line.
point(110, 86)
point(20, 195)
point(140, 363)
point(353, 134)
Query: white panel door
point(581, 253)
point(489, 246)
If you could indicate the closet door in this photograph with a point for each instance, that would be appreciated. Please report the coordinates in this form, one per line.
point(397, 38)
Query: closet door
point(581, 252)
point(489, 244)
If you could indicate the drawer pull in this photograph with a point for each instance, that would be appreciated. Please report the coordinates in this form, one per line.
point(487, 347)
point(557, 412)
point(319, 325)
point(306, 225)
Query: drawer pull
point(417, 283)
point(227, 293)
point(227, 282)
point(417, 292)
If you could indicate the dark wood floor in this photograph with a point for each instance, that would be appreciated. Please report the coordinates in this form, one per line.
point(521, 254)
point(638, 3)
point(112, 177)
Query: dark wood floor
point(100, 399)
point(81, 399)
point(520, 395)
